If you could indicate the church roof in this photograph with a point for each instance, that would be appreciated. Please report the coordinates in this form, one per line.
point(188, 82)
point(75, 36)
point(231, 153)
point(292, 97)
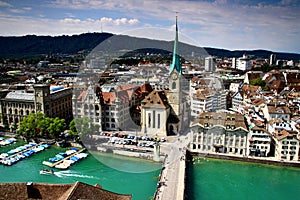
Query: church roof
point(176, 59)
point(157, 99)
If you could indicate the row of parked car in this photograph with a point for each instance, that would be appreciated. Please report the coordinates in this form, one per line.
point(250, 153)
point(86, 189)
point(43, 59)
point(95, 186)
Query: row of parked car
point(132, 137)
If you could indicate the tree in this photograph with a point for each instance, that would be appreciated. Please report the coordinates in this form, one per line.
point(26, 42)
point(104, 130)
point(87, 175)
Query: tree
point(38, 124)
point(56, 127)
point(28, 126)
point(83, 126)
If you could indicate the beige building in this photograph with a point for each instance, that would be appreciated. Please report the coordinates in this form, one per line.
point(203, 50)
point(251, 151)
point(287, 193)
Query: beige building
point(219, 132)
point(287, 146)
point(53, 101)
point(259, 141)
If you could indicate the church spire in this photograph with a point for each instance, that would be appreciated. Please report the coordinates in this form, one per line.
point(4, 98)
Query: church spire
point(176, 59)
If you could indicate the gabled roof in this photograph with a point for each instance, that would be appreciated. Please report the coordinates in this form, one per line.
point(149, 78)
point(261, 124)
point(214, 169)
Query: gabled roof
point(46, 191)
point(157, 99)
point(84, 191)
point(275, 109)
point(258, 102)
point(213, 119)
point(284, 133)
point(276, 85)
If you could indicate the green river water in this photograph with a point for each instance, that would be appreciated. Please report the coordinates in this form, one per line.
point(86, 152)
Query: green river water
point(206, 179)
point(218, 179)
point(90, 170)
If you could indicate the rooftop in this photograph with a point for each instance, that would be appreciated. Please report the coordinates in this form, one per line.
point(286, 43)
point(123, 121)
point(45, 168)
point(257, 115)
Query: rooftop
point(77, 190)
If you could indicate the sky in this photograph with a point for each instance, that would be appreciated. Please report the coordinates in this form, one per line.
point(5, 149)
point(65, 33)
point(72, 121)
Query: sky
point(227, 24)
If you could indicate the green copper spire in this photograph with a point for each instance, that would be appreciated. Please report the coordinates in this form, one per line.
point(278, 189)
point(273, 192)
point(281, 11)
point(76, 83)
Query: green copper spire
point(176, 59)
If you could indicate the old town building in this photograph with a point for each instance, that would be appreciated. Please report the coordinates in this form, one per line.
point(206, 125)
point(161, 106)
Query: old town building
point(53, 101)
point(219, 133)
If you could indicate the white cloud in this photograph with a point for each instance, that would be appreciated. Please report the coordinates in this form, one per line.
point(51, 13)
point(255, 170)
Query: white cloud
point(5, 4)
point(15, 10)
point(218, 23)
point(68, 26)
point(20, 10)
point(27, 8)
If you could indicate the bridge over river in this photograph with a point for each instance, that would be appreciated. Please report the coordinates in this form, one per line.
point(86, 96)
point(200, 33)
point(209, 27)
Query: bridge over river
point(172, 180)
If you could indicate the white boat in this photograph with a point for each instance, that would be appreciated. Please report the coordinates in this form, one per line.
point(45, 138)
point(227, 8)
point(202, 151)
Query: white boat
point(46, 171)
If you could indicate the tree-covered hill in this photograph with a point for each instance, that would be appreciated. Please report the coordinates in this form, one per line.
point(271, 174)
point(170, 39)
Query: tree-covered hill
point(32, 45)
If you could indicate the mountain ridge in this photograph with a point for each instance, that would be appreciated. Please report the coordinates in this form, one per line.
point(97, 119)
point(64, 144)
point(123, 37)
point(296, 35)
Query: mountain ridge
point(30, 45)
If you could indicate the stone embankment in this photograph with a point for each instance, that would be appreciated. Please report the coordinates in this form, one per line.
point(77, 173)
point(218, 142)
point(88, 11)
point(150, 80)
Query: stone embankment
point(261, 160)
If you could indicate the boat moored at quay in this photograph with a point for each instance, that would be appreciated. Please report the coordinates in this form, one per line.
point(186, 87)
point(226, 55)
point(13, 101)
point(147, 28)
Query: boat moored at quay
point(25, 151)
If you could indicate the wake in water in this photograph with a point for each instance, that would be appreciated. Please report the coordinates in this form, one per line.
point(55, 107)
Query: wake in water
point(68, 173)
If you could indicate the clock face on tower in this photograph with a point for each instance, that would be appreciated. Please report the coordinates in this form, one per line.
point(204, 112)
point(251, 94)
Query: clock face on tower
point(174, 76)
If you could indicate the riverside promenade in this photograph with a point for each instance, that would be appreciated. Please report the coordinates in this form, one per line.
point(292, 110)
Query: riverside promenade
point(172, 180)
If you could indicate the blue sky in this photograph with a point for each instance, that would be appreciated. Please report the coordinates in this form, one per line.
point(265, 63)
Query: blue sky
point(235, 24)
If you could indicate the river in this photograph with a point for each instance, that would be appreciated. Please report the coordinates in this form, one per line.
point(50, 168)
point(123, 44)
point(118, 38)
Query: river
point(219, 179)
point(89, 170)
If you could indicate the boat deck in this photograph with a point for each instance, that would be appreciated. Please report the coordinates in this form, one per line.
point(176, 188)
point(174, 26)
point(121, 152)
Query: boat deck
point(49, 164)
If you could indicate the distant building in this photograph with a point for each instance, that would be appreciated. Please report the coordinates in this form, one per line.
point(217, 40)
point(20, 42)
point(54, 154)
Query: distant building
point(210, 65)
point(53, 101)
point(234, 64)
point(243, 63)
point(272, 59)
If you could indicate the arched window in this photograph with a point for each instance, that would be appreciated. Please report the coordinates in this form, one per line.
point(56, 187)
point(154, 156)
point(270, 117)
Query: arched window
point(174, 85)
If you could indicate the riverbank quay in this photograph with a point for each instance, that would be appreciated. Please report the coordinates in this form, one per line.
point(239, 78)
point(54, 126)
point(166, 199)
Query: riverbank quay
point(130, 151)
point(250, 159)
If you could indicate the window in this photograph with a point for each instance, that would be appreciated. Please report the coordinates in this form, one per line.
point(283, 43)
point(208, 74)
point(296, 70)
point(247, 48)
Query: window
point(174, 85)
point(153, 125)
point(149, 120)
point(158, 120)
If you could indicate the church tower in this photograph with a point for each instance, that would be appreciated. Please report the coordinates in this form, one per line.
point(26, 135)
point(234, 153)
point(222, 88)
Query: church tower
point(175, 79)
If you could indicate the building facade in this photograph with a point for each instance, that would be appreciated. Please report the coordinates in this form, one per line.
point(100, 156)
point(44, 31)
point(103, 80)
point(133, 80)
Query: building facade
point(219, 133)
point(287, 146)
point(53, 101)
point(259, 142)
